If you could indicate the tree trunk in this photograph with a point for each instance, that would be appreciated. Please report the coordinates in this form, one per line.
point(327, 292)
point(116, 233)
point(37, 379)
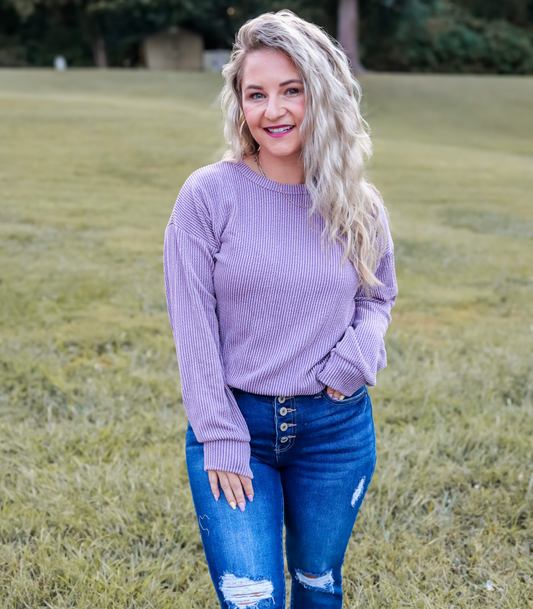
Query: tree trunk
point(348, 32)
point(99, 51)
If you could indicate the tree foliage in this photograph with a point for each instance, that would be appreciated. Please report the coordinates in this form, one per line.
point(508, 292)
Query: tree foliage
point(441, 36)
point(405, 35)
point(517, 12)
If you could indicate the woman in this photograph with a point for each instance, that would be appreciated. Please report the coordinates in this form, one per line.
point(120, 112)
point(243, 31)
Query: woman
point(277, 337)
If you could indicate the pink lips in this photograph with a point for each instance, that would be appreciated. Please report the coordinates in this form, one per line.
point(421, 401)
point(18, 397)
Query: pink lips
point(282, 133)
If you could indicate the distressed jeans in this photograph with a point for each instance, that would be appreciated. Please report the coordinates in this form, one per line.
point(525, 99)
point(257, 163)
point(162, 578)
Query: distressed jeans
point(312, 457)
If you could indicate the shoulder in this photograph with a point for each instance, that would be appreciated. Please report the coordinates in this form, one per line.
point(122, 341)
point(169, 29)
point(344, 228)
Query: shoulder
point(202, 202)
point(212, 177)
point(206, 186)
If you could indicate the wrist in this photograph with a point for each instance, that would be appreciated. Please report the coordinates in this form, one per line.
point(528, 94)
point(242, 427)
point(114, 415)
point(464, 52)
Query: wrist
point(228, 456)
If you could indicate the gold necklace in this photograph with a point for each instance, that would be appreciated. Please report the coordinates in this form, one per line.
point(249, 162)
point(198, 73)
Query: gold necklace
point(279, 185)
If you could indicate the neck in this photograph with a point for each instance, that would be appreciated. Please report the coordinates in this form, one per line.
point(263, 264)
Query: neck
point(286, 169)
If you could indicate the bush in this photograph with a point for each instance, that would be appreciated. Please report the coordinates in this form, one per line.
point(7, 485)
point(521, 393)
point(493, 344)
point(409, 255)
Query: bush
point(437, 36)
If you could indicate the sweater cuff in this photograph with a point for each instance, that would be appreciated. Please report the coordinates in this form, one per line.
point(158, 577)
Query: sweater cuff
point(228, 456)
point(341, 376)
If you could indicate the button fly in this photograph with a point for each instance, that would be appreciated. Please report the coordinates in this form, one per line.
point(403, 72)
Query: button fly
point(281, 399)
point(284, 439)
point(283, 411)
point(283, 426)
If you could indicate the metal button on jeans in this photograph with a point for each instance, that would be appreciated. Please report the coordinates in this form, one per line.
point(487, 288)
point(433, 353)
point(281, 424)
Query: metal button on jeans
point(281, 399)
point(283, 426)
point(283, 411)
point(284, 439)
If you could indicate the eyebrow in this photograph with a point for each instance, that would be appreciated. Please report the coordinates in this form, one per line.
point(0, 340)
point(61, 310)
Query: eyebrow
point(288, 82)
point(281, 84)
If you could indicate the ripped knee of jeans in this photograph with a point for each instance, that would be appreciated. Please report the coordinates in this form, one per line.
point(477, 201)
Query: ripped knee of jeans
point(242, 592)
point(320, 582)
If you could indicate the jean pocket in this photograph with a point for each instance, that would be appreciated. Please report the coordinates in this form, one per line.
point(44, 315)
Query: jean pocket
point(357, 397)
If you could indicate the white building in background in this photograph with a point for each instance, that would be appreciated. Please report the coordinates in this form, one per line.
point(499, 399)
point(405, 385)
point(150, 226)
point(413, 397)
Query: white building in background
point(214, 60)
point(174, 49)
point(60, 63)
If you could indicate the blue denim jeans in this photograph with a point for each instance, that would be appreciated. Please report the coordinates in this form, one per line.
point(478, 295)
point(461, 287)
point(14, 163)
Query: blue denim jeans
point(312, 458)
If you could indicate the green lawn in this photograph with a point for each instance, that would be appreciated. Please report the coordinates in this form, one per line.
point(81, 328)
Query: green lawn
point(95, 505)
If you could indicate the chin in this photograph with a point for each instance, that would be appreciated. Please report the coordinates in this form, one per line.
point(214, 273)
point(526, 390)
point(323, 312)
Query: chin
point(280, 151)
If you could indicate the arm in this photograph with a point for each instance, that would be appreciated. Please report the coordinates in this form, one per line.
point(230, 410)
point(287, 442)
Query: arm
point(360, 354)
point(217, 422)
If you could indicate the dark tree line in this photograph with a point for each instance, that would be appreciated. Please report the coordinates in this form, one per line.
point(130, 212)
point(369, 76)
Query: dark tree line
point(401, 35)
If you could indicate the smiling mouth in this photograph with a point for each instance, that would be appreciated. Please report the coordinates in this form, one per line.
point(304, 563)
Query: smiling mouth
point(280, 129)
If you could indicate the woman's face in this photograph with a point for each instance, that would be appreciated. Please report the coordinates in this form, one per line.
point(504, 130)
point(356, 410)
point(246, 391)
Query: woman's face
point(273, 102)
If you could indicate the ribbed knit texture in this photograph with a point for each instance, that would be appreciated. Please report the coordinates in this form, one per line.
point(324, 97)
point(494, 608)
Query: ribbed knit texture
point(255, 302)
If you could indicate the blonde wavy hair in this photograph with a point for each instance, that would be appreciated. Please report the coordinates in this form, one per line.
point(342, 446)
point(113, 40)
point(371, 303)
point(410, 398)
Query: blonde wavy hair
point(335, 138)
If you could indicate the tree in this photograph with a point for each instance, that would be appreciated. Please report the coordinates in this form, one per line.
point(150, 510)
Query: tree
point(517, 12)
point(95, 17)
point(348, 32)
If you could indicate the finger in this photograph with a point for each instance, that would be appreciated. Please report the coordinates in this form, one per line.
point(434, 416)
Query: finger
point(335, 394)
point(226, 489)
point(236, 487)
point(213, 481)
point(247, 486)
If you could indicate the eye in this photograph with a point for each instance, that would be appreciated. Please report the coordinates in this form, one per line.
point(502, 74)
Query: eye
point(293, 91)
point(253, 96)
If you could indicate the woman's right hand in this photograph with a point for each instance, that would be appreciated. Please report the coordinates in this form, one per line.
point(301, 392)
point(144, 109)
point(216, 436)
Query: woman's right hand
point(233, 485)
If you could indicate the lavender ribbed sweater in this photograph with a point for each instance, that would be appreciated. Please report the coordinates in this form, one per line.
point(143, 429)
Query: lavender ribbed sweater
point(254, 303)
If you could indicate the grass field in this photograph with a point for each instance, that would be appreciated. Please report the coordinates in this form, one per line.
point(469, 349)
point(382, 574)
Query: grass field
point(95, 505)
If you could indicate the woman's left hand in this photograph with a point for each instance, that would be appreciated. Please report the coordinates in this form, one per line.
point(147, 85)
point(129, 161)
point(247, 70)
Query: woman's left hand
point(335, 394)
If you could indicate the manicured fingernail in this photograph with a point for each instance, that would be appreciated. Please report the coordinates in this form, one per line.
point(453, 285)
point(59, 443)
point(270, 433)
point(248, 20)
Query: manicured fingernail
point(216, 497)
point(342, 397)
point(250, 498)
point(241, 507)
point(233, 506)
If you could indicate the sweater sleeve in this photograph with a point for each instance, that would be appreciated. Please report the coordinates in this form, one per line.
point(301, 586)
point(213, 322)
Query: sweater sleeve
point(189, 261)
point(360, 354)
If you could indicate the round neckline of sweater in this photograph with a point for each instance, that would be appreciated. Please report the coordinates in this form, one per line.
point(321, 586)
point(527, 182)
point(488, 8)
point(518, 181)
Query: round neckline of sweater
point(289, 189)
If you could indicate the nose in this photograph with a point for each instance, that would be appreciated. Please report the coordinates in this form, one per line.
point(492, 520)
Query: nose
point(274, 109)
